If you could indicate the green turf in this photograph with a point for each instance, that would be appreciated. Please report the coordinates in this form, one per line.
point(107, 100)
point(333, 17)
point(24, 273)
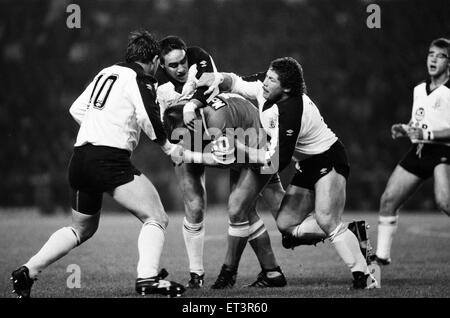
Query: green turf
point(421, 259)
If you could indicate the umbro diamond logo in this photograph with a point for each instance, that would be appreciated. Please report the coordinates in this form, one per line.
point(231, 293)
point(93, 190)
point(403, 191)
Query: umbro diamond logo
point(289, 132)
point(323, 170)
point(203, 63)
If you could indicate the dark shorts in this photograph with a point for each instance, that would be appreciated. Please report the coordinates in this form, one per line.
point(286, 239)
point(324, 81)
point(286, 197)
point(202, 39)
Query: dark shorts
point(94, 170)
point(310, 170)
point(430, 156)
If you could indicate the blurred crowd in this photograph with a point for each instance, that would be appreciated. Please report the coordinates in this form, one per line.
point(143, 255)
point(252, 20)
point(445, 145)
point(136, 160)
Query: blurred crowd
point(360, 78)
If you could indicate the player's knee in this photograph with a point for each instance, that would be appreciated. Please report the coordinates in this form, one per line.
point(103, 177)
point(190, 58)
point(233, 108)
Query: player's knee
point(85, 232)
point(195, 210)
point(387, 202)
point(327, 220)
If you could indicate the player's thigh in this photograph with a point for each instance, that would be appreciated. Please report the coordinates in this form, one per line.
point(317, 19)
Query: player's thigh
point(244, 194)
point(442, 186)
point(141, 198)
point(330, 195)
point(297, 203)
point(400, 186)
point(272, 195)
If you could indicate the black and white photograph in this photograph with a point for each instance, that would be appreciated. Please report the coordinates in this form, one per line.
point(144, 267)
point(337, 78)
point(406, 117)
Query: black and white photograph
point(225, 156)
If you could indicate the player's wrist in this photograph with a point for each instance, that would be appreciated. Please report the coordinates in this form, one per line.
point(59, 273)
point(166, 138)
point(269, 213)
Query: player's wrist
point(168, 148)
point(189, 107)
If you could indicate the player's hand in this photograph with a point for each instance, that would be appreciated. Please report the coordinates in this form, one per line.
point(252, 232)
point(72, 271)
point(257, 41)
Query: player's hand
point(189, 115)
point(212, 81)
point(399, 130)
point(416, 134)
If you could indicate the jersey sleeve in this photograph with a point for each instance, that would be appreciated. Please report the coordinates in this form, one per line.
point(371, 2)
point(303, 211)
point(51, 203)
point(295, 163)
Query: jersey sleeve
point(203, 62)
point(285, 139)
point(143, 95)
point(81, 104)
point(252, 88)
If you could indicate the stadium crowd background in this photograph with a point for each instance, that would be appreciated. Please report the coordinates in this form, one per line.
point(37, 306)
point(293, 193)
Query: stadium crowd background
point(361, 79)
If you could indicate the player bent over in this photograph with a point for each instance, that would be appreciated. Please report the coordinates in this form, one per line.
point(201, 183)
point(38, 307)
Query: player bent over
point(298, 131)
point(429, 132)
point(219, 120)
point(112, 111)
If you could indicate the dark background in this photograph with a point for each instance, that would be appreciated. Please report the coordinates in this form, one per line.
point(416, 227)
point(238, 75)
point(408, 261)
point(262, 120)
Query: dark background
point(360, 78)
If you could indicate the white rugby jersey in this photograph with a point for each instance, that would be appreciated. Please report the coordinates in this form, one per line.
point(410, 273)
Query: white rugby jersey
point(169, 91)
point(116, 106)
point(295, 124)
point(431, 110)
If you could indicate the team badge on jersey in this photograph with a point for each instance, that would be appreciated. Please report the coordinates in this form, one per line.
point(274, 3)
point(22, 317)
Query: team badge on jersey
point(420, 114)
point(272, 123)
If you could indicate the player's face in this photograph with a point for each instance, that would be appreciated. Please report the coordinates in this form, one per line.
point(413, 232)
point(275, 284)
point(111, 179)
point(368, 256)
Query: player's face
point(272, 89)
point(437, 61)
point(176, 65)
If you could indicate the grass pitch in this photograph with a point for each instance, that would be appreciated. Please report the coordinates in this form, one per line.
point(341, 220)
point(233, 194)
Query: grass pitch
point(420, 268)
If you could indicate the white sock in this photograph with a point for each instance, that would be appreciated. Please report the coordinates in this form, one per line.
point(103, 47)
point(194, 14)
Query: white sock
point(387, 226)
point(59, 244)
point(194, 239)
point(150, 246)
point(309, 225)
point(347, 246)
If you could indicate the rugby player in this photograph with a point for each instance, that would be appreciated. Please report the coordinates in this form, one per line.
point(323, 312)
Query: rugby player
point(429, 132)
point(298, 132)
point(228, 116)
point(112, 111)
point(180, 66)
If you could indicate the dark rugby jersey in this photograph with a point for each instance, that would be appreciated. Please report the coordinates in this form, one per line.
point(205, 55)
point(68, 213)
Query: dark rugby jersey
point(229, 116)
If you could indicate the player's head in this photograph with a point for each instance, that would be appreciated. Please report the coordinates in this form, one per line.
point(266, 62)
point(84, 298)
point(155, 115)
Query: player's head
point(173, 58)
point(143, 48)
point(438, 60)
point(284, 78)
point(173, 119)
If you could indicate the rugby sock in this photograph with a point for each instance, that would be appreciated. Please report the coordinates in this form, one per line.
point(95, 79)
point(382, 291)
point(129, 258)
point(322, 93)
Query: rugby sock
point(387, 226)
point(59, 244)
point(347, 246)
point(194, 238)
point(237, 239)
point(150, 246)
point(260, 242)
point(309, 225)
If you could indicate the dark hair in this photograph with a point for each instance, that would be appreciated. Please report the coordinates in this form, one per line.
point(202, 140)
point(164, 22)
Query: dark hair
point(142, 47)
point(442, 43)
point(170, 43)
point(173, 118)
point(290, 75)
